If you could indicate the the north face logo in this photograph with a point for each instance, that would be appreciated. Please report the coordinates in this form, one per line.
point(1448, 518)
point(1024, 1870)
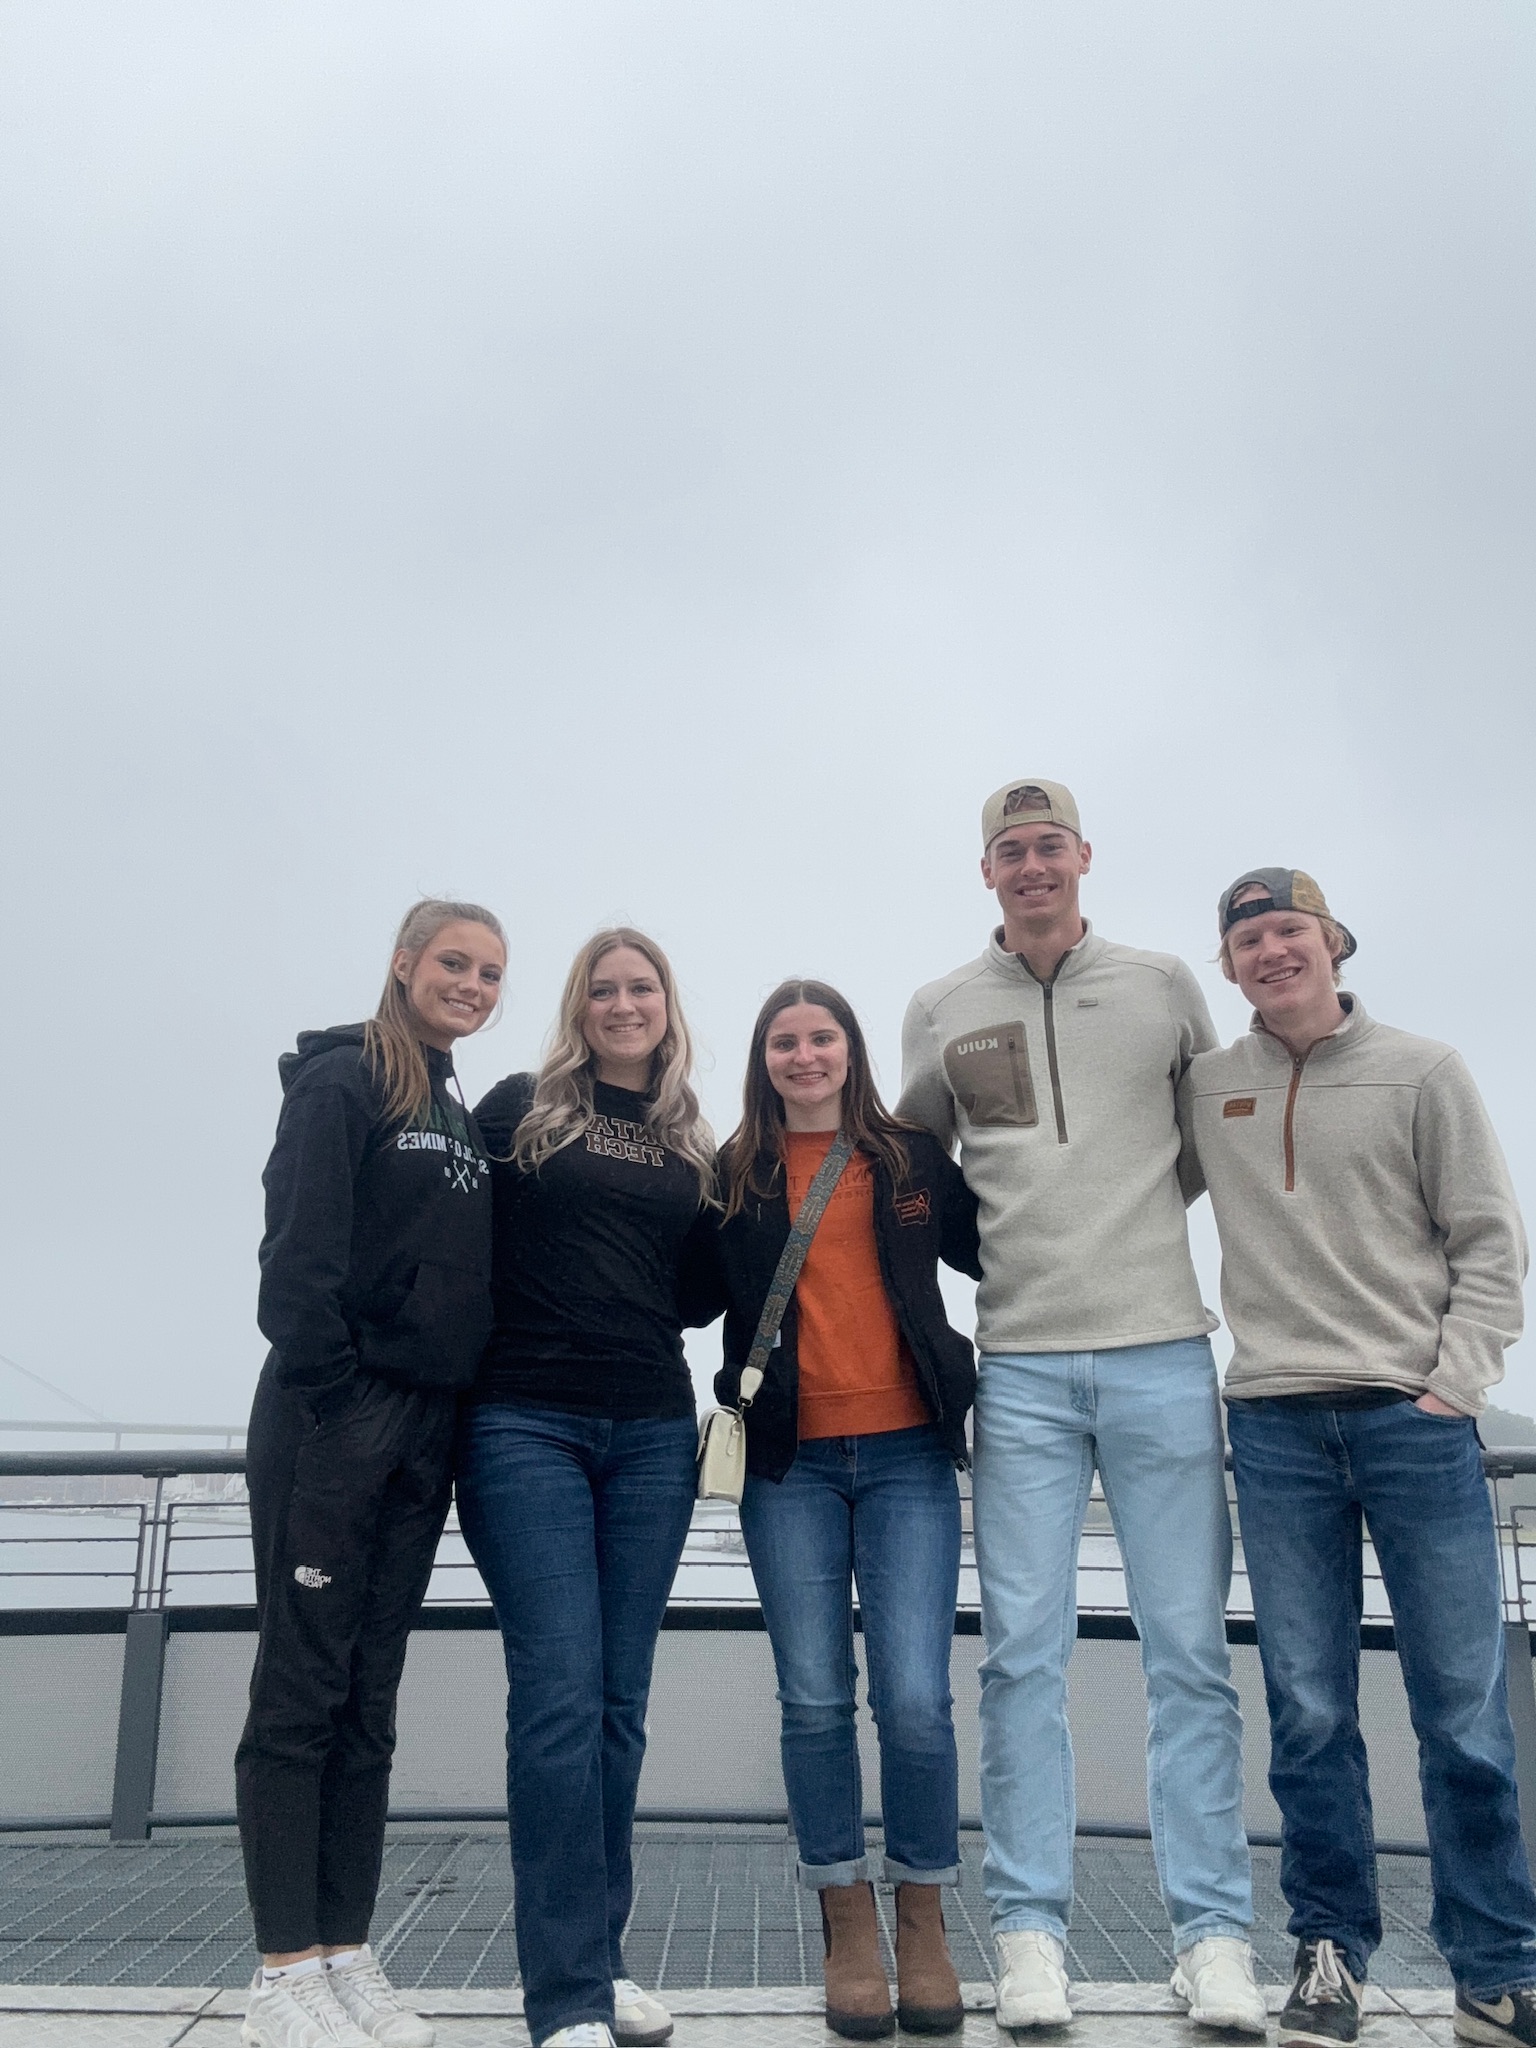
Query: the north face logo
point(311, 1575)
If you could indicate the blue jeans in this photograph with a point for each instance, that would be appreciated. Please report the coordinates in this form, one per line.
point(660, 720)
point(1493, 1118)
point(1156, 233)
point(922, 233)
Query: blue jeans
point(882, 1511)
point(1149, 1417)
point(1305, 1478)
point(577, 1524)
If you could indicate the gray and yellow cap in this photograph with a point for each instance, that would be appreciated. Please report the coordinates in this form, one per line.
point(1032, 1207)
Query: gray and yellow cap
point(1028, 803)
point(1288, 889)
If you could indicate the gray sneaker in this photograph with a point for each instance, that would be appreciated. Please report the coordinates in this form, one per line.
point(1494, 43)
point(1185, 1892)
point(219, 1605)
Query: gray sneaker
point(298, 2012)
point(375, 2007)
point(639, 2020)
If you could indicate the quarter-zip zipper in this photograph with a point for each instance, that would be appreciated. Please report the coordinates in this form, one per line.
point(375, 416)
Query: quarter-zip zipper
point(1289, 1125)
point(1048, 991)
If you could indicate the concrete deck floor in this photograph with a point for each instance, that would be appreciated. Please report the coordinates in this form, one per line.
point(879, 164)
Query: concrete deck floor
point(1109, 2016)
point(148, 1946)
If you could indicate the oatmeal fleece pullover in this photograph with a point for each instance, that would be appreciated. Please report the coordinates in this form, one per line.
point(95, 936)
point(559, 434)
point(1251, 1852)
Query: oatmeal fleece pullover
point(1369, 1231)
point(1062, 1097)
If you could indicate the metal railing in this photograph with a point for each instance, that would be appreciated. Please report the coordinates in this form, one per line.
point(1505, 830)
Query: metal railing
point(152, 1575)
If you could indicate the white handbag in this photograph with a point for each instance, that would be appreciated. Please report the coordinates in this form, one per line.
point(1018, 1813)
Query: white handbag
point(723, 1431)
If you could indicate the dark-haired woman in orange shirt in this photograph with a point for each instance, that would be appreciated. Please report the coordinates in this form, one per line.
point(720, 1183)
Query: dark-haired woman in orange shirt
point(853, 1442)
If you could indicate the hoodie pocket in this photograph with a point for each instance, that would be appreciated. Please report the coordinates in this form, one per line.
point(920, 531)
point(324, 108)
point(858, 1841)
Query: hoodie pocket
point(989, 1073)
point(436, 1337)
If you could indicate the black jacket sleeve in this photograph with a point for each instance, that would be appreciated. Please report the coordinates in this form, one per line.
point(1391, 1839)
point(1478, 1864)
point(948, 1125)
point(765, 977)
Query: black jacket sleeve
point(499, 1112)
point(306, 1254)
point(959, 1237)
point(702, 1293)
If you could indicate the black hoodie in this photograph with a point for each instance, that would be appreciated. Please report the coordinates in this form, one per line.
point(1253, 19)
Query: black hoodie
point(377, 1253)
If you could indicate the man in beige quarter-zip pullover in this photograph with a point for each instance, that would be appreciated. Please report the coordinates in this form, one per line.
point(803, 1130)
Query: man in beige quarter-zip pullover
point(1372, 1261)
point(1054, 1061)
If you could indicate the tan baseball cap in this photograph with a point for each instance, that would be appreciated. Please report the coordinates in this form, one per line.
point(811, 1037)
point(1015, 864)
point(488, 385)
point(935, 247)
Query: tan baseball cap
point(1284, 889)
point(1028, 803)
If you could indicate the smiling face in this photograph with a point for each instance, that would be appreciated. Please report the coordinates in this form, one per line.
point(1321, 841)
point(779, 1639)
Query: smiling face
point(1034, 871)
point(626, 1017)
point(455, 982)
point(806, 1054)
point(1282, 963)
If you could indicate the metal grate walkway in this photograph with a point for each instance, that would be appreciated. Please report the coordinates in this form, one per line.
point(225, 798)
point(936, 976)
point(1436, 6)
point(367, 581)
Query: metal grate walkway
point(714, 1906)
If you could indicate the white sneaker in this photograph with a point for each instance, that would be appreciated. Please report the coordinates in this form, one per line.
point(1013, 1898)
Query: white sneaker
point(374, 2006)
point(1215, 1978)
point(298, 2012)
point(585, 2034)
point(1031, 1980)
point(639, 2020)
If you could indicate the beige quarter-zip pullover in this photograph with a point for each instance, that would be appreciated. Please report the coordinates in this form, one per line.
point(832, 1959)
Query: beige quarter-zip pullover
point(1062, 1097)
point(1369, 1231)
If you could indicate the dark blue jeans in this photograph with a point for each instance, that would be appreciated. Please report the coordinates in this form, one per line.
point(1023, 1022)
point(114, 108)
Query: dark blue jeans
point(1305, 1479)
point(577, 1524)
point(883, 1511)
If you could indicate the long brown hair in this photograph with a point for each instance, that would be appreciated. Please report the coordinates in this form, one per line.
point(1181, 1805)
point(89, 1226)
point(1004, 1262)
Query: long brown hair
point(390, 1037)
point(562, 1106)
point(757, 1143)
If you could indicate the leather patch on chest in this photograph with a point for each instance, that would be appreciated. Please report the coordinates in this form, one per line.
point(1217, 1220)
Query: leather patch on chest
point(1240, 1105)
point(915, 1207)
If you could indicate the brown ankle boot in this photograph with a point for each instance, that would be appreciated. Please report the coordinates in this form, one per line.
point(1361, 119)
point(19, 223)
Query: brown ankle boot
point(858, 1997)
point(927, 1989)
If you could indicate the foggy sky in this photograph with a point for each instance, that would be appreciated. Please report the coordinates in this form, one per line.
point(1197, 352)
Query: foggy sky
point(671, 462)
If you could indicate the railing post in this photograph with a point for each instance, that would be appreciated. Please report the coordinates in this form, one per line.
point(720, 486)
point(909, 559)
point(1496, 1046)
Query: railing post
point(138, 1725)
point(138, 1706)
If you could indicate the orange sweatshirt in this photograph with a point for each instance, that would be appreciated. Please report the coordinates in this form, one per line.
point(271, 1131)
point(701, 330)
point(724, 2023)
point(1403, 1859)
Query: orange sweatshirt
point(857, 1376)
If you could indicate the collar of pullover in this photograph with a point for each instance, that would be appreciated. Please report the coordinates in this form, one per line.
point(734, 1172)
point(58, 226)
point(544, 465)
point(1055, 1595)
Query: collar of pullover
point(439, 1064)
point(1355, 1027)
point(1087, 950)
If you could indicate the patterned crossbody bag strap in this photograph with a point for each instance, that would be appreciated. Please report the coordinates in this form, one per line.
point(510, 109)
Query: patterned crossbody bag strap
point(791, 1259)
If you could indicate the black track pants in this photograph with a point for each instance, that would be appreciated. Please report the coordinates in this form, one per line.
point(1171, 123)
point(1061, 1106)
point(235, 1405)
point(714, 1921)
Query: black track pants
point(345, 1517)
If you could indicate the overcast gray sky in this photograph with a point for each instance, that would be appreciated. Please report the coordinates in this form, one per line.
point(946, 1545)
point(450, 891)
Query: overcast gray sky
point(672, 461)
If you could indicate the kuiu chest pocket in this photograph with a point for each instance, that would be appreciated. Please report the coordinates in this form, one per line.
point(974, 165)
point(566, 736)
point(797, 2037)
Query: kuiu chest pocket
point(989, 1074)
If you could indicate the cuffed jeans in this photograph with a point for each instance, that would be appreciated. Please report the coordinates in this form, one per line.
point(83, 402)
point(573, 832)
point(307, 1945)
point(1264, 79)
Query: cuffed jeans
point(883, 1512)
point(1149, 1417)
point(1306, 1477)
point(577, 1523)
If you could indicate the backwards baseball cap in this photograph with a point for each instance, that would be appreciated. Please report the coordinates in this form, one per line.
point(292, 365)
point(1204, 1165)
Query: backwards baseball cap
point(1286, 889)
point(1028, 803)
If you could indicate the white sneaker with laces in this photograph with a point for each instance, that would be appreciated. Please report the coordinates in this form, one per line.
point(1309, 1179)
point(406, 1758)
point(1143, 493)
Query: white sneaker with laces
point(297, 2012)
point(1215, 1978)
point(639, 2020)
point(374, 2006)
point(1031, 1980)
point(585, 2034)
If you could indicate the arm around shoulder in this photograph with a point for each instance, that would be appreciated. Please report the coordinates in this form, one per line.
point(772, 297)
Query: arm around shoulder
point(1191, 1016)
point(925, 1096)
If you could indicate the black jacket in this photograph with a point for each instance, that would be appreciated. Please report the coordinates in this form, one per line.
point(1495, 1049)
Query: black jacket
point(377, 1253)
point(930, 1215)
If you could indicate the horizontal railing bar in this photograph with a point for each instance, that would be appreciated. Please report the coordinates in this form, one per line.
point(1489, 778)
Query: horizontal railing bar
point(123, 1429)
point(166, 1464)
point(1499, 1462)
point(655, 1816)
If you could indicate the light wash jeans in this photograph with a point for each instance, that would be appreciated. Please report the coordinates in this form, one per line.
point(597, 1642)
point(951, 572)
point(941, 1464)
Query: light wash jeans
point(1149, 1417)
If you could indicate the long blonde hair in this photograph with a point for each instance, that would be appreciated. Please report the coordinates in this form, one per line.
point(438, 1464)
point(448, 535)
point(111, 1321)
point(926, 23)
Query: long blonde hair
point(390, 1037)
point(562, 1106)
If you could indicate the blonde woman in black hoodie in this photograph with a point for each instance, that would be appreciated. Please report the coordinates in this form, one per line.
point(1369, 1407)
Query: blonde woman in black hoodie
point(375, 1297)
